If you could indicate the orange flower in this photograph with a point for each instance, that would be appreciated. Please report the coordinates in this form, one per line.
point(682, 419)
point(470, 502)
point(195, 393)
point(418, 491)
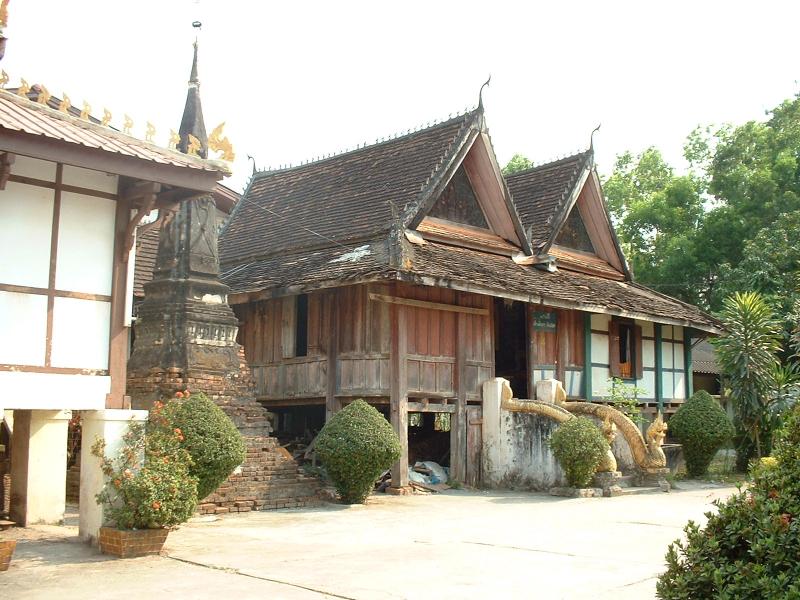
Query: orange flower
point(156, 505)
point(187, 393)
point(117, 482)
point(179, 394)
point(128, 474)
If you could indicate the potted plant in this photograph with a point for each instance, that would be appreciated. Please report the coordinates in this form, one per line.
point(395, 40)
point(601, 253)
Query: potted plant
point(6, 551)
point(148, 487)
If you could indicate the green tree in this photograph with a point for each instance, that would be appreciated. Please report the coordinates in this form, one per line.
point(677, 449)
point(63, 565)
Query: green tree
point(517, 163)
point(658, 216)
point(747, 355)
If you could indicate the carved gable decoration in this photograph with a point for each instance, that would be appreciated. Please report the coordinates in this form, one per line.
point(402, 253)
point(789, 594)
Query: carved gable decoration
point(458, 203)
point(573, 233)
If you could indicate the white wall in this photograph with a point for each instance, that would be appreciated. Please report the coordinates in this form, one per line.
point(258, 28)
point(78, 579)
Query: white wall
point(84, 265)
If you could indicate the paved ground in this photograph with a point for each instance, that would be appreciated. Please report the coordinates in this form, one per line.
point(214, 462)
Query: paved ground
point(453, 545)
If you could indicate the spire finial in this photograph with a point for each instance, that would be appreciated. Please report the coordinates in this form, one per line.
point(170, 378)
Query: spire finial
point(480, 93)
point(591, 137)
point(192, 125)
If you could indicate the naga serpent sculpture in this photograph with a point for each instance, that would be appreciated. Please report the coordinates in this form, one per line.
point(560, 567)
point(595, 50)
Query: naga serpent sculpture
point(648, 455)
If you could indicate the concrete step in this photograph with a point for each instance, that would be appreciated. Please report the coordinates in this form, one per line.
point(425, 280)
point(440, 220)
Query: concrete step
point(635, 491)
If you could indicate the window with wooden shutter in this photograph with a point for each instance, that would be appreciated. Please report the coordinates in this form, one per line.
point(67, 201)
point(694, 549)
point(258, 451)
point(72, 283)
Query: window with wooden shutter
point(625, 349)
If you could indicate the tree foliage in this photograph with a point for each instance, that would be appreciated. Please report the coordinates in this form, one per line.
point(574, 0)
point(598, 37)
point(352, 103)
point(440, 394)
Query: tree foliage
point(747, 354)
point(579, 446)
point(356, 445)
point(517, 163)
point(748, 549)
point(702, 427)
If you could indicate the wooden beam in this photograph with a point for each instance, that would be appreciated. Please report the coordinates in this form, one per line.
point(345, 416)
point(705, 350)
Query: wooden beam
point(398, 397)
point(332, 403)
point(687, 362)
point(6, 160)
point(423, 407)
point(118, 334)
point(425, 304)
point(587, 356)
point(458, 421)
point(659, 368)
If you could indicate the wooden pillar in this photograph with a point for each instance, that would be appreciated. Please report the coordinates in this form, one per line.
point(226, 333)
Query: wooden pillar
point(398, 399)
point(687, 361)
point(118, 336)
point(659, 369)
point(332, 403)
point(531, 337)
point(458, 423)
point(587, 356)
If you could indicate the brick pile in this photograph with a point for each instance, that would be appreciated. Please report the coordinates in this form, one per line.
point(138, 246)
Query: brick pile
point(269, 479)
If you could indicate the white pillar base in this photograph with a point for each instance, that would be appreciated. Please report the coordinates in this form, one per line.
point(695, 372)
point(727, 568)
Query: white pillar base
point(39, 466)
point(111, 425)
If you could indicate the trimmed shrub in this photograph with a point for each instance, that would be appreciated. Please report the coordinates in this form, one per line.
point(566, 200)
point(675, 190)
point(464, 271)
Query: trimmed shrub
point(579, 446)
point(702, 427)
point(356, 445)
point(749, 549)
point(148, 484)
point(210, 437)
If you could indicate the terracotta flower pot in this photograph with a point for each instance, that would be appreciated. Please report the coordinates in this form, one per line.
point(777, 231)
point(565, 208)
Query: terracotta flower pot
point(6, 550)
point(130, 543)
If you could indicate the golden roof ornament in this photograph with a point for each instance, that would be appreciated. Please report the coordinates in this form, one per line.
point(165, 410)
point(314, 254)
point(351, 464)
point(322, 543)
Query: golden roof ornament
point(23, 88)
point(106, 117)
point(149, 132)
point(44, 95)
point(127, 125)
point(194, 146)
point(3, 79)
point(87, 110)
point(174, 140)
point(217, 143)
point(65, 104)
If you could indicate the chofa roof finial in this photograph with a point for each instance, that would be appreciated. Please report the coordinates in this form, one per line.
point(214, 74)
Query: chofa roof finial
point(591, 137)
point(480, 93)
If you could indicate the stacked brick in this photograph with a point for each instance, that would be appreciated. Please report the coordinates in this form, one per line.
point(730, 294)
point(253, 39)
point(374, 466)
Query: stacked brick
point(268, 479)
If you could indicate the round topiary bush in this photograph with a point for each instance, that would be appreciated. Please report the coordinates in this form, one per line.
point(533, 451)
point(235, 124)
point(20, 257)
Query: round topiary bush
point(579, 446)
point(750, 548)
point(702, 427)
point(210, 437)
point(356, 445)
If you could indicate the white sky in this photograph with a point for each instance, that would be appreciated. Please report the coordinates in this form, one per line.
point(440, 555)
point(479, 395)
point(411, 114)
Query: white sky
point(294, 80)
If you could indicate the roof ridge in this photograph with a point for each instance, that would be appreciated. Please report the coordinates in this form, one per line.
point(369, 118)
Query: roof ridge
point(379, 141)
point(549, 163)
point(106, 131)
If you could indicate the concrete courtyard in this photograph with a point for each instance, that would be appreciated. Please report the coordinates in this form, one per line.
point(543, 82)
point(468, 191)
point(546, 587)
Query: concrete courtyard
point(458, 544)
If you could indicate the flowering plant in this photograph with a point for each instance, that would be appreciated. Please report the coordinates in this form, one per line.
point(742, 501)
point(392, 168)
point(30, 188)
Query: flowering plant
point(148, 484)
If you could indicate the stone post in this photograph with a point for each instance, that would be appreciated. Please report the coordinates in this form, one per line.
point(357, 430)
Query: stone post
point(111, 425)
point(492, 452)
point(39, 466)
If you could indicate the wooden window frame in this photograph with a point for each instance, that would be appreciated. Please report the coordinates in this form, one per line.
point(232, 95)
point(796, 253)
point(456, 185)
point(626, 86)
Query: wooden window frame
point(615, 367)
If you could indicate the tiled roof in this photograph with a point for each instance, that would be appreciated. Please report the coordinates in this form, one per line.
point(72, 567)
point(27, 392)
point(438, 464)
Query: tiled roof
point(23, 115)
point(351, 196)
point(482, 272)
point(704, 359)
point(539, 194)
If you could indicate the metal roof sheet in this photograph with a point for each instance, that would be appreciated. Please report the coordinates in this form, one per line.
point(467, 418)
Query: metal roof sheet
point(23, 115)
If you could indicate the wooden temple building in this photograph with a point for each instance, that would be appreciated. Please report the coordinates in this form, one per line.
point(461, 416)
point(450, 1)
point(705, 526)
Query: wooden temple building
point(411, 271)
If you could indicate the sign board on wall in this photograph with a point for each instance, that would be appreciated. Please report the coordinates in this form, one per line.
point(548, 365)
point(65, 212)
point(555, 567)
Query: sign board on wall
point(544, 321)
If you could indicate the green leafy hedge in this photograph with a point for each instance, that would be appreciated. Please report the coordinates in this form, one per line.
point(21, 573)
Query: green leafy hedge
point(702, 427)
point(579, 446)
point(210, 437)
point(750, 548)
point(356, 445)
